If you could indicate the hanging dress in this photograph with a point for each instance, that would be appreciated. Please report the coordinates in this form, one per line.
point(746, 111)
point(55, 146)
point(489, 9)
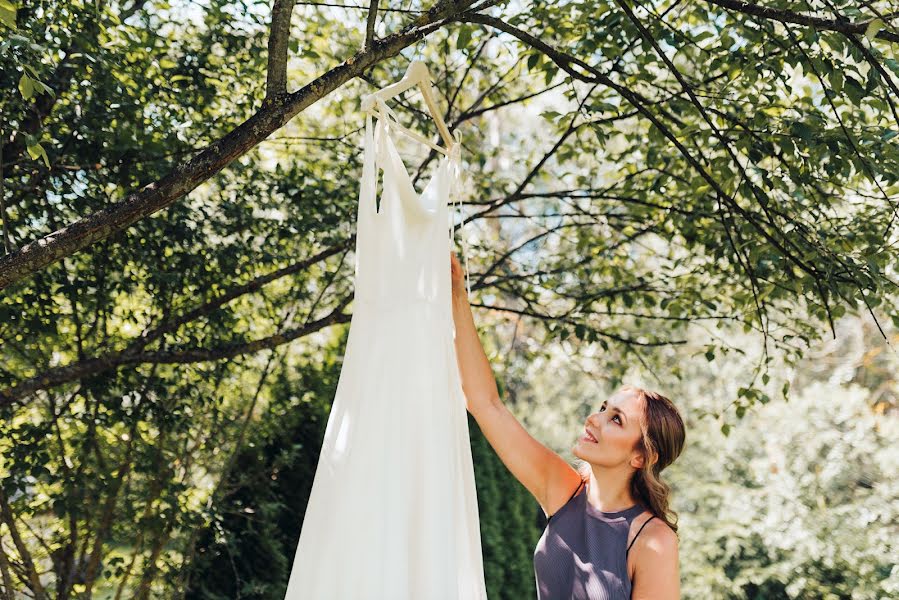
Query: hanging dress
point(393, 514)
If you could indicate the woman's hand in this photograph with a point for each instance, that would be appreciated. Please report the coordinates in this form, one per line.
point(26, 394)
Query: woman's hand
point(457, 275)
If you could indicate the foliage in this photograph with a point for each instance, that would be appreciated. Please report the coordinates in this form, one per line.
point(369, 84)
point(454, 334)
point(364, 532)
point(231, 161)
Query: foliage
point(799, 501)
point(142, 376)
point(247, 549)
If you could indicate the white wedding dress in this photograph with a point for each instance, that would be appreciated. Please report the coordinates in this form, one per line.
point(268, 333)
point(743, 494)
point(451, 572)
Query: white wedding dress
point(393, 511)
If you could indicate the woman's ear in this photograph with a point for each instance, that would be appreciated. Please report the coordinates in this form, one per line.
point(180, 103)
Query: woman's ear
point(637, 461)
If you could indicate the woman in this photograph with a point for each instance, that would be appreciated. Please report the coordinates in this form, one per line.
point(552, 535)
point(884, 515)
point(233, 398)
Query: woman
point(609, 536)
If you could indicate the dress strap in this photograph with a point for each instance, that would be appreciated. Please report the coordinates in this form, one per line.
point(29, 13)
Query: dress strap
point(387, 118)
point(638, 533)
point(372, 161)
point(578, 489)
point(387, 115)
point(569, 499)
point(455, 164)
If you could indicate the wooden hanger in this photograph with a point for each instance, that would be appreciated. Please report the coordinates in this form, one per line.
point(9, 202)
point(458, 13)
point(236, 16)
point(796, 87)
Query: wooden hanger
point(416, 74)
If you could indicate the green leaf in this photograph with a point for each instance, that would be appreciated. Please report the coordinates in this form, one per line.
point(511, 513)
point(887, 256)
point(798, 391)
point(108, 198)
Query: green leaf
point(36, 150)
point(836, 81)
point(26, 86)
point(8, 13)
point(550, 115)
point(549, 73)
point(855, 90)
point(42, 87)
point(803, 131)
point(873, 27)
point(873, 80)
point(464, 36)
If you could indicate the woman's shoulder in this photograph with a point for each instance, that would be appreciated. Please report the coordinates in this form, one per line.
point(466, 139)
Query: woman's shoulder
point(655, 541)
point(653, 563)
point(564, 495)
point(649, 531)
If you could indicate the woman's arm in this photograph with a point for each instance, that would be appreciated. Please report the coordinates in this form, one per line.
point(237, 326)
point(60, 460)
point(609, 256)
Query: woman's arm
point(657, 572)
point(544, 473)
point(478, 381)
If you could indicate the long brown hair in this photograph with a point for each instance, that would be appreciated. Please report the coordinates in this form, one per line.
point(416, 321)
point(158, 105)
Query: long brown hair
point(661, 443)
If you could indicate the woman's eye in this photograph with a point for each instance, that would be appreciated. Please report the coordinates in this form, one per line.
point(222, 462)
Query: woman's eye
point(603, 407)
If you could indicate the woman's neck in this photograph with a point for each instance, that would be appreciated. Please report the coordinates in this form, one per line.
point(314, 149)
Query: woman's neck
point(609, 491)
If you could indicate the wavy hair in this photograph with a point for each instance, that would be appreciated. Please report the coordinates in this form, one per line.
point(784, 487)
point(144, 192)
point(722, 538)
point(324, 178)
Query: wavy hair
point(662, 441)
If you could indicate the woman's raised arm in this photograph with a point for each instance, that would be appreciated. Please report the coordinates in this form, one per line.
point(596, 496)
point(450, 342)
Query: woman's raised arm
point(544, 473)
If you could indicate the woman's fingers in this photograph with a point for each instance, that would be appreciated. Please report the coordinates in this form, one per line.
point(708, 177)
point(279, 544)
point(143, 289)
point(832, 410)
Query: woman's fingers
point(455, 269)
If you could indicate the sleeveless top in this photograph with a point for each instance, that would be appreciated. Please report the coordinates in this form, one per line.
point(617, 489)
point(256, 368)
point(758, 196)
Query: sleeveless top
point(582, 554)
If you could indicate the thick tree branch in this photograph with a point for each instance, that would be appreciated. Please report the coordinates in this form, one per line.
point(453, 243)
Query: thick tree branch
point(840, 24)
point(370, 24)
point(133, 353)
point(215, 157)
point(278, 41)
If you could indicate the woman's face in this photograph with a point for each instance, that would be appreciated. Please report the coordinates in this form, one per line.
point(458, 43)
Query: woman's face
point(616, 427)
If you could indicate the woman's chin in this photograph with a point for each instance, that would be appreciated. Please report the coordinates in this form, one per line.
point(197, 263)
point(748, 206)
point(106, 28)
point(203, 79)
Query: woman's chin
point(581, 445)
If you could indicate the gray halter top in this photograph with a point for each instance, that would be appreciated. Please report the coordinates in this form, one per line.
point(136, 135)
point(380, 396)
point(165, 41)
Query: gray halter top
point(582, 554)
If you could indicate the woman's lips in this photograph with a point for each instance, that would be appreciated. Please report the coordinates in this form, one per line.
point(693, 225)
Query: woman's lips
point(588, 438)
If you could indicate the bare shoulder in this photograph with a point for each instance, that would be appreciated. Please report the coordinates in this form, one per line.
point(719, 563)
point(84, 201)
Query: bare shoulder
point(653, 561)
point(561, 483)
point(659, 534)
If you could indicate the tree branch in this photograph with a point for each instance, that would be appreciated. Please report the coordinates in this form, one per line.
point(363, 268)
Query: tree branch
point(565, 61)
point(87, 367)
point(370, 24)
point(841, 24)
point(611, 336)
point(34, 580)
point(276, 82)
point(185, 177)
